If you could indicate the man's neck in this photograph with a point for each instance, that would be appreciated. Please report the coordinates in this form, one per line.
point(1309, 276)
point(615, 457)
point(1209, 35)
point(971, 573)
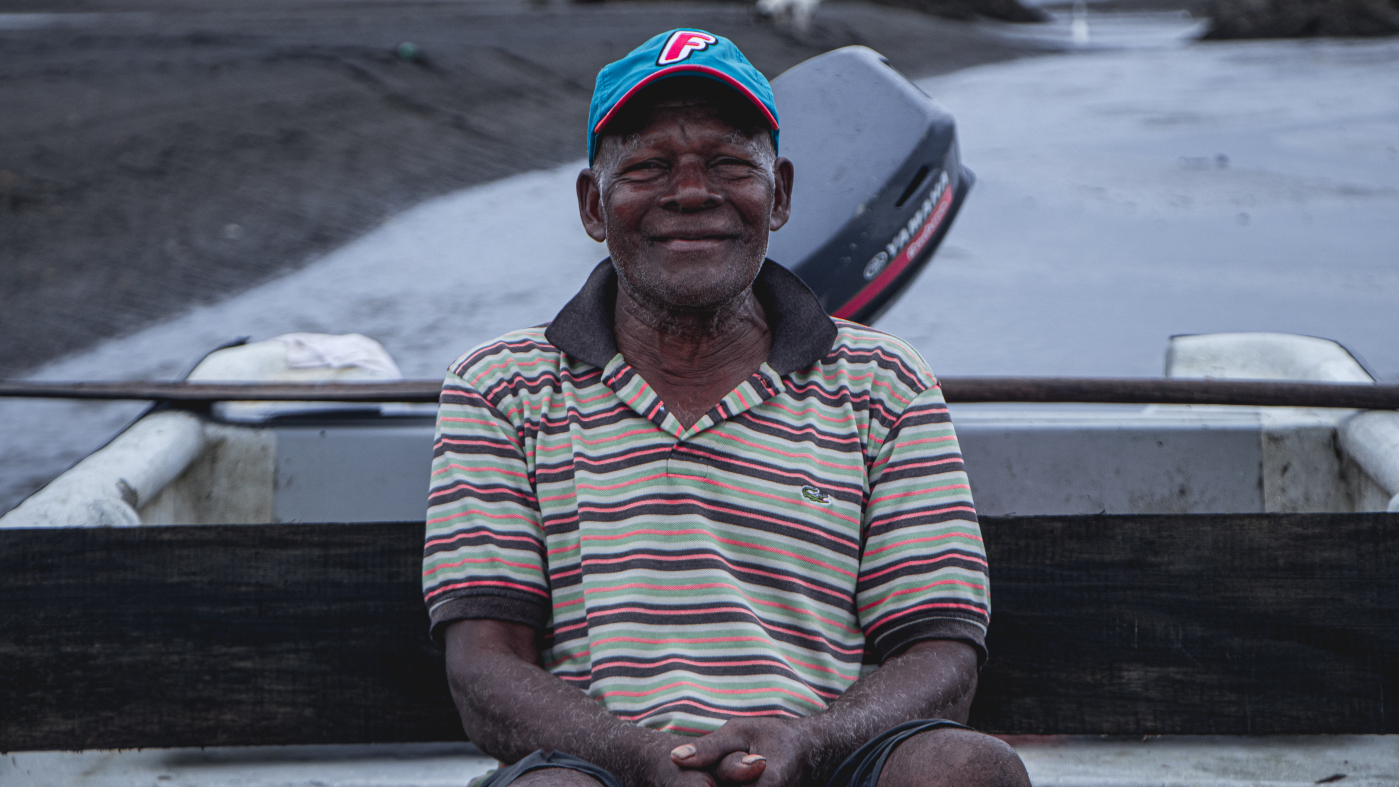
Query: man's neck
point(692, 358)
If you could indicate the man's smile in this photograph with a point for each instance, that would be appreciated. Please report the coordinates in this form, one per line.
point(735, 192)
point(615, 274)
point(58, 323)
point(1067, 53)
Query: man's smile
point(693, 241)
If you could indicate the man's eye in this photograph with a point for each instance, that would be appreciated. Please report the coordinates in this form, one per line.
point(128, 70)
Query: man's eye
point(731, 168)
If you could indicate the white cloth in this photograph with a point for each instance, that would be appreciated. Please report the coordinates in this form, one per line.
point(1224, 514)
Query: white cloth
point(318, 350)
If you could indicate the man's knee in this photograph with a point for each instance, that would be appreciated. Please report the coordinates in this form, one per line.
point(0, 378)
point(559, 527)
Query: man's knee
point(555, 777)
point(954, 757)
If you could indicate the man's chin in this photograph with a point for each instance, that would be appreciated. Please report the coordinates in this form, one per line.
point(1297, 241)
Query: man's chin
point(694, 282)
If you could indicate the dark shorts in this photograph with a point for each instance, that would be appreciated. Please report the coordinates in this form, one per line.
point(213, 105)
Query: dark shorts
point(861, 769)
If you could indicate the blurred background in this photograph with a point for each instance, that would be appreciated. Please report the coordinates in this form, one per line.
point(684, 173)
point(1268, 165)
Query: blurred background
point(175, 174)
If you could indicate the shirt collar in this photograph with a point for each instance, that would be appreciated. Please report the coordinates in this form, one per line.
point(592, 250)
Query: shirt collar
point(802, 332)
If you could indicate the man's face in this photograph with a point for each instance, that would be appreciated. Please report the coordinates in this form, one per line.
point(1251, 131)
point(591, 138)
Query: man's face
point(685, 205)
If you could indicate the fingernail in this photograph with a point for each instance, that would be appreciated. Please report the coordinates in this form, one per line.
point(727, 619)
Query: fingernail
point(683, 752)
point(753, 758)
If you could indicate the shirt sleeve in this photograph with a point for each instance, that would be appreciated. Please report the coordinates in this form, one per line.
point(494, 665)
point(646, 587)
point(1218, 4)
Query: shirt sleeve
point(923, 570)
point(484, 554)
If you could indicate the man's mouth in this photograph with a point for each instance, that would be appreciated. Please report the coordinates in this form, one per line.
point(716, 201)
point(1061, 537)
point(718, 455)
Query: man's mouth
point(688, 241)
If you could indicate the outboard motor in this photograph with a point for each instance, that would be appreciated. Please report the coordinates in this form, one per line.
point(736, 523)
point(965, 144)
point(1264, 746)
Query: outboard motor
point(878, 179)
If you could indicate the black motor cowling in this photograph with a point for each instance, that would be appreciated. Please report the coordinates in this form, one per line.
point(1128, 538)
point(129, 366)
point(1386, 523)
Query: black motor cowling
point(878, 179)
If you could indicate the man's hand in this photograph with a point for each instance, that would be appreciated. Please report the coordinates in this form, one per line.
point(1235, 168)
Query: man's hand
point(510, 706)
point(929, 679)
point(769, 752)
point(662, 770)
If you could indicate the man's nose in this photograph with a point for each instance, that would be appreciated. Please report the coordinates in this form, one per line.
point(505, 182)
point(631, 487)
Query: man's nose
point(692, 188)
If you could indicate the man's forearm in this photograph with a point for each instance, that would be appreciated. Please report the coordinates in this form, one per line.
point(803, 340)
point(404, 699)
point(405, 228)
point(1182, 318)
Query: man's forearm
point(510, 707)
point(934, 679)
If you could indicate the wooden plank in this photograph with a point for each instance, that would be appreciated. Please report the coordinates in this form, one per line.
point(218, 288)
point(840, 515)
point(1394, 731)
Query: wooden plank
point(1154, 390)
point(219, 635)
point(262, 634)
point(1204, 624)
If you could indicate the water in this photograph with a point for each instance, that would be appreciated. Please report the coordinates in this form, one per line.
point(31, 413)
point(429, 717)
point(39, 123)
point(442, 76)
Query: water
point(1124, 197)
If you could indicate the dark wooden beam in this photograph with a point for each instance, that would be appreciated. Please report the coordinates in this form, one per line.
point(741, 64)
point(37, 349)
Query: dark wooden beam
point(1255, 393)
point(1201, 624)
point(1152, 390)
point(282, 634)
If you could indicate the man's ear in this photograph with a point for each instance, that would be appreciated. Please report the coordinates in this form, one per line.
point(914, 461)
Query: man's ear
point(782, 194)
point(590, 206)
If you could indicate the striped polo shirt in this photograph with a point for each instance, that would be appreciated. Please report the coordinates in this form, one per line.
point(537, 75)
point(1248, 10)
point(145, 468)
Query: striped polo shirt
point(817, 520)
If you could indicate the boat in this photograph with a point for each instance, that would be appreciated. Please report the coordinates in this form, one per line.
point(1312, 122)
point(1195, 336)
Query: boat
point(268, 462)
point(206, 455)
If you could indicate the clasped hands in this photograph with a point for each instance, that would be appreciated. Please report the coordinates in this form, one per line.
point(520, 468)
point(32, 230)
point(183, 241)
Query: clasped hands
point(764, 752)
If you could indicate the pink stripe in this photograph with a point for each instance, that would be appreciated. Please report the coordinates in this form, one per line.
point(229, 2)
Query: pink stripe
point(615, 437)
point(731, 542)
point(601, 561)
point(732, 566)
point(620, 485)
point(917, 492)
point(728, 712)
point(788, 454)
point(492, 470)
point(811, 430)
point(922, 589)
point(925, 540)
point(908, 563)
point(462, 442)
point(465, 561)
point(916, 465)
point(484, 583)
point(446, 419)
point(939, 605)
point(704, 505)
point(810, 411)
point(474, 531)
point(502, 365)
point(740, 663)
point(925, 440)
point(711, 690)
point(721, 607)
point(475, 512)
point(920, 513)
point(699, 640)
point(727, 79)
point(463, 485)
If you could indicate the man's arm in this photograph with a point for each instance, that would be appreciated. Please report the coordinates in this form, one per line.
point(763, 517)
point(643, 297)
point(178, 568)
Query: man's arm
point(930, 679)
point(510, 706)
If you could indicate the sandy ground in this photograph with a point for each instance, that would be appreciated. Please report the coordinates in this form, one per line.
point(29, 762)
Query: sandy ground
point(1135, 189)
point(160, 154)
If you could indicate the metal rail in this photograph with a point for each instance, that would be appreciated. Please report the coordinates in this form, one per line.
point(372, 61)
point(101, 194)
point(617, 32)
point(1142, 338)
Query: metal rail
point(1148, 390)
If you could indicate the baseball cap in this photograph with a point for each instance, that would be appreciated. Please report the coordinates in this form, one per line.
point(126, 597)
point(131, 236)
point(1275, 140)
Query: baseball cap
point(680, 52)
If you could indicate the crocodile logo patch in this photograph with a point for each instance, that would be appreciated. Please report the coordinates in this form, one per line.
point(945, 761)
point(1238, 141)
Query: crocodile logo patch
point(814, 495)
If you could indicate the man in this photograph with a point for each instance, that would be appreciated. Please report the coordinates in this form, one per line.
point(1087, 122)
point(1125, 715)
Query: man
point(673, 534)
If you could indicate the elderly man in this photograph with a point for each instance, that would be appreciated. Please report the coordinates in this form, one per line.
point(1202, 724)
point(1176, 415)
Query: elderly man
point(694, 532)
